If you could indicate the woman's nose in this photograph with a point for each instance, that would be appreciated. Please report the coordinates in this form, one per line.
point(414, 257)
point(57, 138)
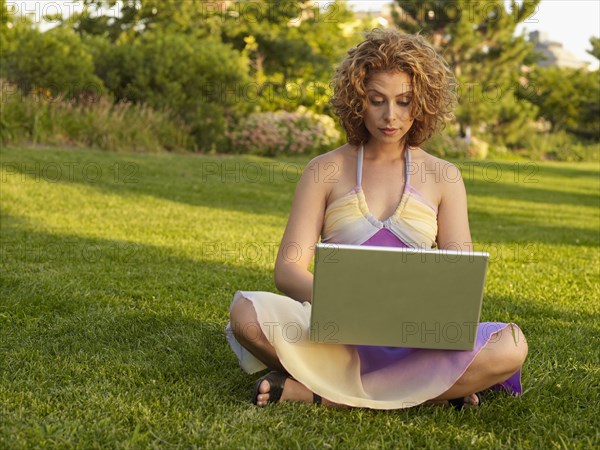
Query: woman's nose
point(389, 111)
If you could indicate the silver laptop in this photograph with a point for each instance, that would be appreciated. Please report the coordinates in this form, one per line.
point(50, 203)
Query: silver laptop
point(397, 297)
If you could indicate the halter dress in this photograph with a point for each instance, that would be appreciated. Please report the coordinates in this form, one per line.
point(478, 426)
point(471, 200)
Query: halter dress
point(365, 376)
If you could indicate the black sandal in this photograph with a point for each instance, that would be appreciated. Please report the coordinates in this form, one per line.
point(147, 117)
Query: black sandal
point(276, 381)
point(459, 403)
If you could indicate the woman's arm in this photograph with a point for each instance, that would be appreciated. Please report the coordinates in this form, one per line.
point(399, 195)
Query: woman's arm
point(296, 250)
point(453, 219)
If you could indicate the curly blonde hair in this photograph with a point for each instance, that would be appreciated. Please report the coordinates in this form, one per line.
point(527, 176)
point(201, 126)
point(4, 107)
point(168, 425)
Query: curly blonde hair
point(433, 84)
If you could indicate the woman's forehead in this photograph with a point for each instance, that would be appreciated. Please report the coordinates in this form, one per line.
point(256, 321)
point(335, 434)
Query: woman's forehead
point(392, 83)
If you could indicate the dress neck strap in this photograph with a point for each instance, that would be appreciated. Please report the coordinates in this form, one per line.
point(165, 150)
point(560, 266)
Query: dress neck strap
point(407, 165)
point(360, 165)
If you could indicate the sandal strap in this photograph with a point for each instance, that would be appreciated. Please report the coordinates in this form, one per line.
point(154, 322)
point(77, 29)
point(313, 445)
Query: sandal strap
point(276, 381)
point(459, 403)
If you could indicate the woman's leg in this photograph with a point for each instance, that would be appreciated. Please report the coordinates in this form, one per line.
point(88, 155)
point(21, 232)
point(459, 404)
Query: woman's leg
point(500, 358)
point(248, 333)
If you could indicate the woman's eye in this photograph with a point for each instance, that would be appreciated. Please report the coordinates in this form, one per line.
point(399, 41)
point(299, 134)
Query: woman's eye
point(376, 102)
point(404, 103)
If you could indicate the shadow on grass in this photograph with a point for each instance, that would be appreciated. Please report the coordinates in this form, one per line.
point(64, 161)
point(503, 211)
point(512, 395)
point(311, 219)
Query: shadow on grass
point(567, 170)
point(257, 185)
point(499, 229)
point(129, 314)
point(522, 182)
point(498, 307)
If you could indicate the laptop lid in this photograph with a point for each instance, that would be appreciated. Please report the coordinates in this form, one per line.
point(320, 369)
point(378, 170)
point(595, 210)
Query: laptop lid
point(397, 297)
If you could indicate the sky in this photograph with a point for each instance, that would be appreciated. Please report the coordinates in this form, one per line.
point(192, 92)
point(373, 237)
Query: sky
point(570, 22)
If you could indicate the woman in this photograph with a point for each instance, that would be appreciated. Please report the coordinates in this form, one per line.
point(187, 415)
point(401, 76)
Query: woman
point(392, 92)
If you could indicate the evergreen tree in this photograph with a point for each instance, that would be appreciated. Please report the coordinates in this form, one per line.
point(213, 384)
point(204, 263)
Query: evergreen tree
point(478, 41)
point(595, 51)
point(569, 99)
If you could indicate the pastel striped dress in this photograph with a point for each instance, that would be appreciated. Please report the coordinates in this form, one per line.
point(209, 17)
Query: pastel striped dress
point(365, 376)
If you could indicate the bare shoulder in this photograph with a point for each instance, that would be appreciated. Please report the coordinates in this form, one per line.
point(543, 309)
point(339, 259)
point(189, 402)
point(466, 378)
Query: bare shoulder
point(438, 169)
point(330, 168)
point(445, 184)
point(338, 157)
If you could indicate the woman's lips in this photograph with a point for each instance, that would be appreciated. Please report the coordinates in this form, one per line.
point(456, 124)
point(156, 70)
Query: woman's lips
point(389, 131)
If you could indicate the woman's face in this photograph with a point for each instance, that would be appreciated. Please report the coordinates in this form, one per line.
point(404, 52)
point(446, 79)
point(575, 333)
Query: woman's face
point(388, 113)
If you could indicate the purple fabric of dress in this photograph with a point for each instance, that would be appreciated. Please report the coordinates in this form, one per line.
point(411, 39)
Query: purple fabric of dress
point(374, 358)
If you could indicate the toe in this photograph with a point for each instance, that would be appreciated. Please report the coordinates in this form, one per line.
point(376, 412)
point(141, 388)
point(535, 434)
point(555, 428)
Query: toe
point(264, 387)
point(472, 400)
point(263, 393)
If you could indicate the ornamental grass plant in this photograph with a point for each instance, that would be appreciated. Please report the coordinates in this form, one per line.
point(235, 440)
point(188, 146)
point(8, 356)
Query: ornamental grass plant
point(91, 121)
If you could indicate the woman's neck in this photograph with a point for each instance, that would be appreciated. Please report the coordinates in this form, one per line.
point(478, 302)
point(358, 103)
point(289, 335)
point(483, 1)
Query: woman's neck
point(380, 152)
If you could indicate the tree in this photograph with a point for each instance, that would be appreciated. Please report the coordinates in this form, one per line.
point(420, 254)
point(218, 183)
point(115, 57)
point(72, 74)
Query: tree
point(167, 54)
point(55, 62)
point(127, 19)
point(6, 33)
point(4, 14)
point(595, 51)
point(293, 47)
point(567, 98)
point(477, 39)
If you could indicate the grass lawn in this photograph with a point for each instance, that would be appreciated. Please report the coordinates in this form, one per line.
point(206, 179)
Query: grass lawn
point(117, 271)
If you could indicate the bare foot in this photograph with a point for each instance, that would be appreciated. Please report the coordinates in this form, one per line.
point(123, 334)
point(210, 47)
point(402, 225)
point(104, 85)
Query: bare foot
point(472, 400)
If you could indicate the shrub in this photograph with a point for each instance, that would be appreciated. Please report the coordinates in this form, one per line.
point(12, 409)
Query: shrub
point(443, 145)
point(559, 146)
point(56, 60)
point(281, 132)
point(576, 152)
point(200, 80)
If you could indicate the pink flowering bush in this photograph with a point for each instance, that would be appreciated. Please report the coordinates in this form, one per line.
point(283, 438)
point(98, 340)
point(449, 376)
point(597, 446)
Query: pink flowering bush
point(281, 132)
